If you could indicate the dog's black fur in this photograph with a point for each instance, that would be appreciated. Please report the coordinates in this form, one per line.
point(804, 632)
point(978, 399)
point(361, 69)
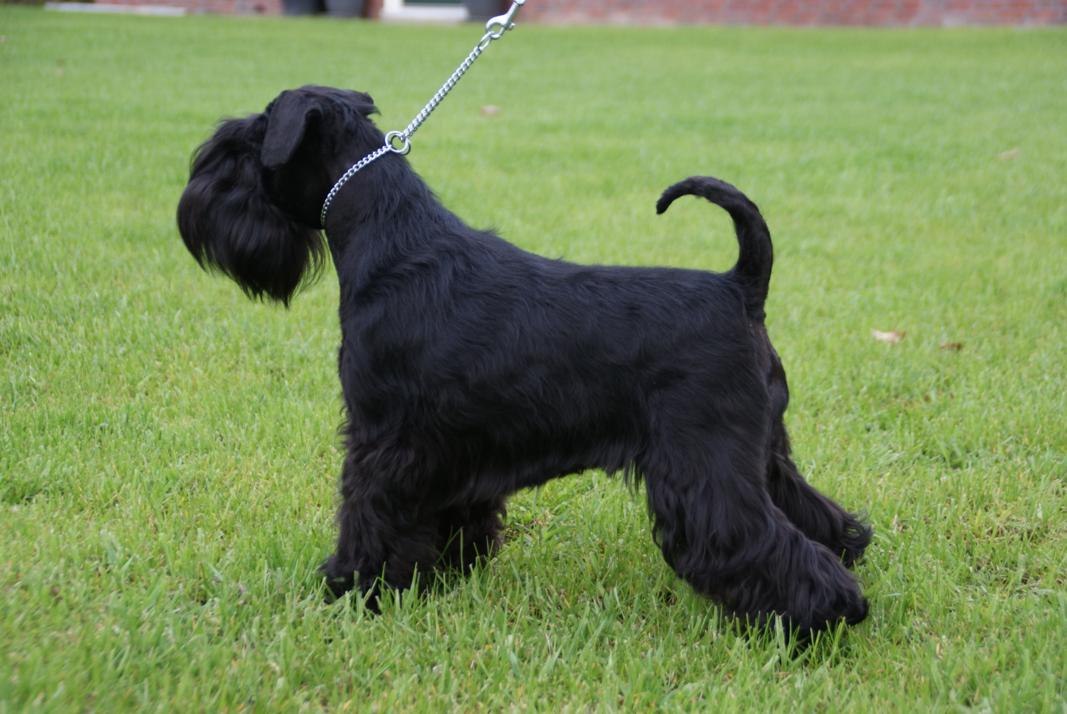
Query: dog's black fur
point(472, 369)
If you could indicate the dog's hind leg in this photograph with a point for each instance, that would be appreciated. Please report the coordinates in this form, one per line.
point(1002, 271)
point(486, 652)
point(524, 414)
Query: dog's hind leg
point(717, 527)
point(817, 516)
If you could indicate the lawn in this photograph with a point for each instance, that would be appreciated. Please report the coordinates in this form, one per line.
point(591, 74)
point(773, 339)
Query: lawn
point(168, 450)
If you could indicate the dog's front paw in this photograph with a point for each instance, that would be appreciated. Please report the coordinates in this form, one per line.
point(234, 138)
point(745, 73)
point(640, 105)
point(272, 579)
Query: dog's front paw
point(339, 578)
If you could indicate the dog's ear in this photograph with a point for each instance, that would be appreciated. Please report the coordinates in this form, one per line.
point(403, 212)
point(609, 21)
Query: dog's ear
point(367, 106)
point(289, 117)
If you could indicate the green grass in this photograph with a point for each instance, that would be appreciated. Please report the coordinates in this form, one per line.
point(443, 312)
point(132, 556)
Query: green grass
point(167, 449)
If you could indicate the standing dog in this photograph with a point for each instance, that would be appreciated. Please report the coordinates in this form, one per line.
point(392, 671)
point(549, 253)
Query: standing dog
point(472, 369)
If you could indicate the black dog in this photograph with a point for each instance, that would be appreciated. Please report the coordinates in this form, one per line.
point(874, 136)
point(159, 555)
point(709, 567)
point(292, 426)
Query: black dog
point(472, 369)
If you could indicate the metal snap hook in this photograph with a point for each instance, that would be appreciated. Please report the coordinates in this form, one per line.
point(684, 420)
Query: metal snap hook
point(497, 26)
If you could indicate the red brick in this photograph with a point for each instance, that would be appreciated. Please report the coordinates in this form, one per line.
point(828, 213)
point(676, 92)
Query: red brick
point(774, 12)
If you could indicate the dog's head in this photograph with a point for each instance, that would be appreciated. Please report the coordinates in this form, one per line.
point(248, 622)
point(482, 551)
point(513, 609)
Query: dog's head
point(251, 207)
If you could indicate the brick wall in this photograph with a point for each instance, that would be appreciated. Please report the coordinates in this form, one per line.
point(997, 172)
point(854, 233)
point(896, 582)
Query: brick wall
point(801, 12)
point(731, 12)
point(219, 7)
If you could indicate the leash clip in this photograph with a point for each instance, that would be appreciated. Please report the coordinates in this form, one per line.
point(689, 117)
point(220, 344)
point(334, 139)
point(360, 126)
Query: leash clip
point(497, 26)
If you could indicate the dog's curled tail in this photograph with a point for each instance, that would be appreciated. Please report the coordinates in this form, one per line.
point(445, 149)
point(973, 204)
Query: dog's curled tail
point(753, 269)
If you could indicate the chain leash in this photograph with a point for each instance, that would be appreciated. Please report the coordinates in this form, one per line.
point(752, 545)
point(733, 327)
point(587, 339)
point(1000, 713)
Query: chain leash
point(399, 142)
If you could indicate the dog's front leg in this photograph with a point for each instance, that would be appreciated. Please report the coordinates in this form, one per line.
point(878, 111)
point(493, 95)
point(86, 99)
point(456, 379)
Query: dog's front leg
point(383, 537)
point(468, 532)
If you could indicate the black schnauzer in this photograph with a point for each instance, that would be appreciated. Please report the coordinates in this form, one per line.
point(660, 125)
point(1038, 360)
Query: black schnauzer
point(472, 369)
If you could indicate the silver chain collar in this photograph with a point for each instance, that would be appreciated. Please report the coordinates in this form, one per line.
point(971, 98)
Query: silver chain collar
point(399, 142)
